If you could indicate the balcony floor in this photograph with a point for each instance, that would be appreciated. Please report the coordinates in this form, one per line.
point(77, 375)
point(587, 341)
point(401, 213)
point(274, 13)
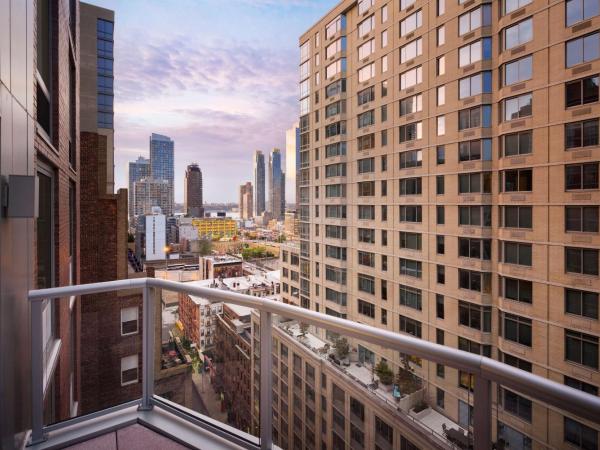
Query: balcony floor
point(133, 437)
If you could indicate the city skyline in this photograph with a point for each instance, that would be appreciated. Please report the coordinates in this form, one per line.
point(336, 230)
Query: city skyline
point(210, 95)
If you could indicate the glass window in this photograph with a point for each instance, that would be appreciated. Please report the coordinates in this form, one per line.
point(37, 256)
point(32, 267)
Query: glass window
point(517, 180)
point(520, 143)
point(366, 73)
point(581, 260)
point(582, 49)
point(475, 51)
point(582, 91)
point(479, 116)
point(581, 303)
point(366, 26)
point(411, 77)
point(581, 134)
point(582, 219)
point(411, 23)
point(411, 50)
point(581, 348)
point(518, 70)
point(581, 176)
point(517, 290)
point(580, 435)
point(518, 107)
point(579, 10)
point(411, 132)
point(518, 34)
point(411, 104)
point(517, 253)
point(480, 83)
point(476, 18)
point(513, 5)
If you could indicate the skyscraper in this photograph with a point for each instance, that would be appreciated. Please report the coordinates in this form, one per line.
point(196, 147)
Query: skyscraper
point(292, 162)
point(148, 193)
point(246, 201)
point(193, 195)
point(259, 182)
point(138, 170)
point(276, 185)
point(162, 162)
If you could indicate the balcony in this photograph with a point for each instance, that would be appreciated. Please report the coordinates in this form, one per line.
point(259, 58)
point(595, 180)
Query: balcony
point(152, 421)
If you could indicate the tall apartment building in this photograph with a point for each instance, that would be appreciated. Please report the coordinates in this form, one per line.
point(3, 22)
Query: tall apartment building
point(292, 162)
point(451, 191)
point(193, 194)
point(259, 183)
point(138, 170)
point(148, 193)
point(39, 165)
point(162, 162)
point(246, 201)
point(276, 185)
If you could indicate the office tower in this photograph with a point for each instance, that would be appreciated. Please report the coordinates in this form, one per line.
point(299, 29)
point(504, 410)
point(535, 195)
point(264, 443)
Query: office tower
point(246, 197)
point(276, 185)
point(162, 162)
point(39, 166)
point(138, 170)
point(292, 162)
point(193, 198)
point(259, 183)
point(452, 171)
point(148, 193)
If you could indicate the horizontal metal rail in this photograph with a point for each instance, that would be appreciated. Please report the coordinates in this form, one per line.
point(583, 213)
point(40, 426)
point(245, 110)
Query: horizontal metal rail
point(541, 389)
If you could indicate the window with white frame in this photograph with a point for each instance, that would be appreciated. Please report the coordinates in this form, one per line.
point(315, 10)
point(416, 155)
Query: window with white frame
point(411, 77)
point(364, 5)
point(129, 320)
point(411, 23)
point(366, 49)
point(336, 46)
point(441, 95)
point(476, 18)
point(405, 4)
point(518, 34)
point(440, 65)
point(384, 39)
point(366, 73)
point(513, 5)
point(441, 35)
point(129, 370)
point(411, 50)
point(335, 67)
point(474, 52)
point(480, 83)
point(441, 125)
point(366, 26)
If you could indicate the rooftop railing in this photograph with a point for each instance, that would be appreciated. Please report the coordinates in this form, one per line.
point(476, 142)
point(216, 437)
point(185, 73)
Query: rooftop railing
point(485, 370)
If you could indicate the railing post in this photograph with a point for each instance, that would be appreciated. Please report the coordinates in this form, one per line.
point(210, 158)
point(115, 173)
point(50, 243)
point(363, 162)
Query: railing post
point(37, 373)
point(266, 380)
point(148, 348)
point(482, 414)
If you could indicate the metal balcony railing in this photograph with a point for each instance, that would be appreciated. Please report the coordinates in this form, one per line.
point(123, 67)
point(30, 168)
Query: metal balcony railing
point(484, 369)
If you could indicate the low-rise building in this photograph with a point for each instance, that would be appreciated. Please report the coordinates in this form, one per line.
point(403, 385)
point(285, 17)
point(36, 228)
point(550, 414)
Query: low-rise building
point(215, 227)
point(220, 266)
point(290, 272)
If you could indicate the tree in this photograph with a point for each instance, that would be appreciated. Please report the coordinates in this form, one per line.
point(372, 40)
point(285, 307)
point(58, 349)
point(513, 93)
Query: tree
point(385, 374)
point(204, 247)
point(342, 348)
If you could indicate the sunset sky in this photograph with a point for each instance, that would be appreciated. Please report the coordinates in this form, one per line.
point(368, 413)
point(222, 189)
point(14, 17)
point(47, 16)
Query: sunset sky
point(220, 77)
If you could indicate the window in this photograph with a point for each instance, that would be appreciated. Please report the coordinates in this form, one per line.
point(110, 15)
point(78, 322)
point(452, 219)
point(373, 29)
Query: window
point(411, 241)
point(364, 50)
point(440, 215)
point(581, 348)
point(384, 65)
point(439, 185)
point(383, 431)
point(520, 143)
point(473, 150)
point(335, 231)
point(335, 297)
point(581, 303)
point(335, 191)
point(582, 49)
point(366, 189)
point(439, 306)
point(474, 52)
point(366, 258)
point(581, 260)
point(366, 212)
point(440, 155)
point(364, 5)
point(366, 283)
point(366, 165)
point(335, 211)
point(411, 105)
point(405, 4)
point(517, 70)
point(581, 218)
point(410, 326)
point(335, 129)
point(475, 248)
point(518, 34)
point(440, 247)
point(129, 370)
point(411, 77)
point(476, 182)
point(410, 267)
point(441, 35)
point(475, 316)
point(335, 170)
point(410, 213)
point(439, 398)
point(441, 7)
point(582, 91)
point(581, 134)
point(475, 281)
point(474, 347)
point(384, 163)
point(366, 73)
point(411, 132)
point(475, 216)
point(410, 297)
point(335, 108)
point(335, 88)
point(366, 235)
point(480, 83)
point(579, 10)
point(581, 176)
point(335, 67)
point(335, 274)
point(516, 253)
point(441, 95)
point(384, 88)
point(440, 65)
point(441, 274)
point(516, 404)
point(465, 414)
point(441, 124)
point(581, 385)
point(410, 186)
point(384, 39)
point(516, 328)
point(384, 14)
point(44, 66)
point(411, 50)
point(513, 5)
point(129, 320)
point(517, 290)
point(516, 217)
point(366, 95)
point(366, 26)
point(337, 24)
point(476, 18)
point(366, 309)
point(332, 251)
point(411, 23)
point(579, 434)
point(478, 116)
point(517, 180)
point(366, 119)
point(517, 107)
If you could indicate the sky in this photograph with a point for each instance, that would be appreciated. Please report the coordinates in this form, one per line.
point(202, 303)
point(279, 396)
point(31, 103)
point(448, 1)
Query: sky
point(220, 77)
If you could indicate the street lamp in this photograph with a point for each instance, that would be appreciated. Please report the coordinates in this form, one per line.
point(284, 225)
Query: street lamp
point(166, 250)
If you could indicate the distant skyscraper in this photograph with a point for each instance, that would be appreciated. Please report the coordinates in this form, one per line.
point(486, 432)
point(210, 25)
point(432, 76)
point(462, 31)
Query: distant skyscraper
point(162, 161)
point(276, 185)
point(246, 203)
point(138, 170)
point(292, 162)
point(148, 193)
point(259, 183)
point(193, 194)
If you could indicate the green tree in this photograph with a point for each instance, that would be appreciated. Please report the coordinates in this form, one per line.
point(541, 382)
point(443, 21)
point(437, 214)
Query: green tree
point(385, 374)
point(342, 348)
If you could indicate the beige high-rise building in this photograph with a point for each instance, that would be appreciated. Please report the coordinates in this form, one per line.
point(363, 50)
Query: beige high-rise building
point(148, 193)
point(246, 201)
point(449, 189)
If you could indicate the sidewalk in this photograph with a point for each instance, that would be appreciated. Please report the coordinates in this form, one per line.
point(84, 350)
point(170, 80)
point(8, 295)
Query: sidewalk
point(209, 397)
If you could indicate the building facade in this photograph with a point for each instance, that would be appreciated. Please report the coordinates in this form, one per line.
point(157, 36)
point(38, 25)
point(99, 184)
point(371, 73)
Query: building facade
point(138, 170)
point(259, 183)
point(148, 193)
point(451, 190)
point(246, 201)
point(162, 161)
point(156, 235)
point(215, 227)
point(292, 162)
point(276, 185)
point(193, 193)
